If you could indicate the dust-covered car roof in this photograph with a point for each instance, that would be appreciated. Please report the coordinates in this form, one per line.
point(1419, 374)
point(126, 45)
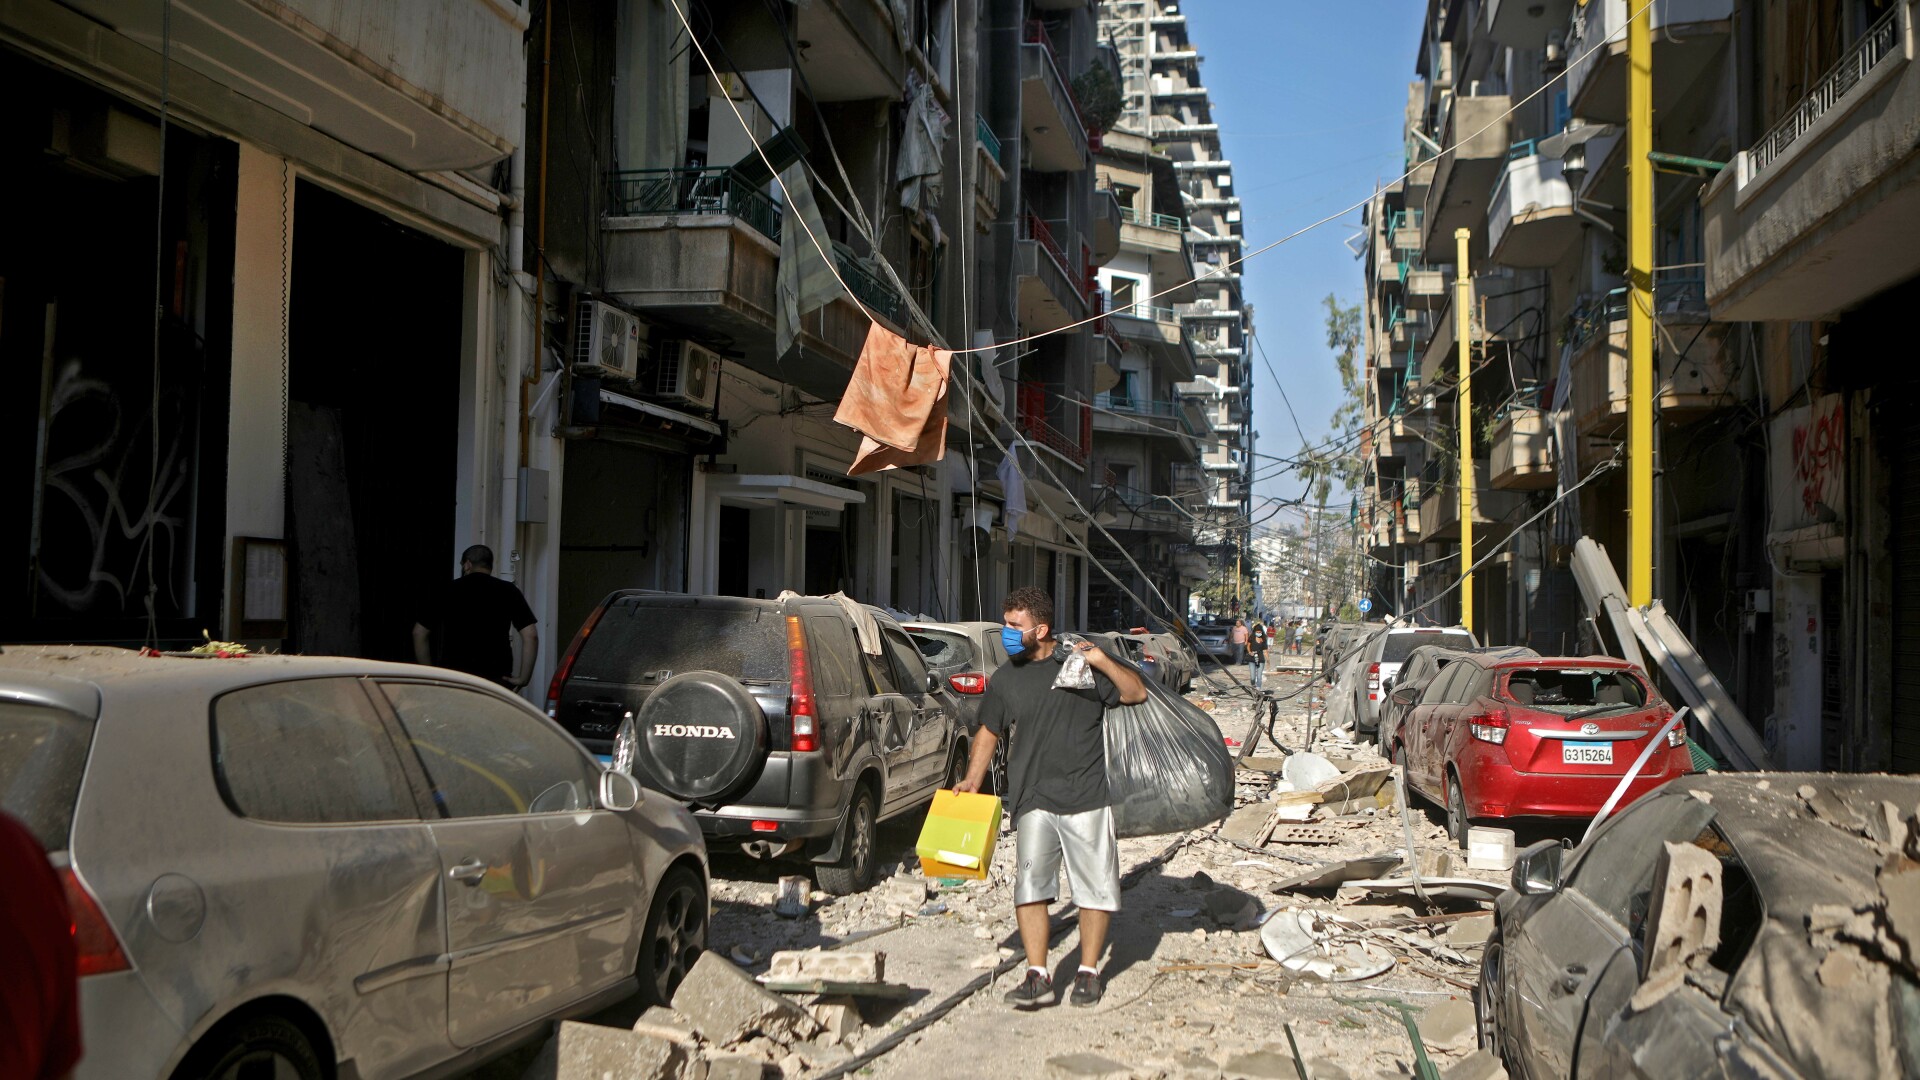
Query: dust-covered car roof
point(42, 670)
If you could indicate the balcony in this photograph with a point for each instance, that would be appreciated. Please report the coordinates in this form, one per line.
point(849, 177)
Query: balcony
point(852, 52)
point(1039, 426)
point(1158, 330)
point(1493, 510)
point(1106, 226)
point(1403, 229)
point(1172, 127)
point(989, 174)
point(1424, 289)
point(1685, 34)
point(1176, 56)
point(712, 267)
point(1056, 139)
point(1821, 213)
point(1466, 173)
point(1144, 419)
point(1696, 383)
point(1049, 290)
point(1530, 219)
point(1526, 24)
point(1135, 510)
point(1522, 458)
point(1386, 272)
point(427, 85)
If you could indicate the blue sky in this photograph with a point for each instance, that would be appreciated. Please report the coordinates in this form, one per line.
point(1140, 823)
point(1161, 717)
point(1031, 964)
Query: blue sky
point(1310, 98)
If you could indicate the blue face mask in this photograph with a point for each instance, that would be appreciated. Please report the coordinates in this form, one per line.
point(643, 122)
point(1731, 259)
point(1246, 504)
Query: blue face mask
point(1014, 641)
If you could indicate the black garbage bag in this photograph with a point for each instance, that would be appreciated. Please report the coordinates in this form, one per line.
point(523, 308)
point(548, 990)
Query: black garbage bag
point(1168, 769)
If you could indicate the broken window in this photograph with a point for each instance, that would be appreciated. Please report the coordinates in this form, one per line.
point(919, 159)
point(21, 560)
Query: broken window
point(1616, 872)
point(1572, 691)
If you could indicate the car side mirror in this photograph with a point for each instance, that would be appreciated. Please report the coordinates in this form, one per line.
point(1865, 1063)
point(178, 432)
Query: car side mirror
point(618, 791)
point(1402, 695)
point(933, 683)
point(1536, 870)
point(626, 746)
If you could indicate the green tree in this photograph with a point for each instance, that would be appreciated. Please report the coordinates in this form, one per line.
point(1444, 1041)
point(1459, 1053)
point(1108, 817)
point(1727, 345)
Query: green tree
point(1340, 462)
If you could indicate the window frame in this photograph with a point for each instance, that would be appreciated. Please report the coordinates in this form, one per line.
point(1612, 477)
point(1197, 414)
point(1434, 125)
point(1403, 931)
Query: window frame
point(418, 789)
point(417, 770)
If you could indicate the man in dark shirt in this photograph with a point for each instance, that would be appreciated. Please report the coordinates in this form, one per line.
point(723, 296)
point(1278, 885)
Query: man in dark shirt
point(475, 617)
point(1057, 784)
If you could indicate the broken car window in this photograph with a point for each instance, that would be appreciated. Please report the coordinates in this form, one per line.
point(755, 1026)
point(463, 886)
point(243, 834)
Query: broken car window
point(1570, 691)
point(1616, 871)
point(633, 643)
point(1399, 646)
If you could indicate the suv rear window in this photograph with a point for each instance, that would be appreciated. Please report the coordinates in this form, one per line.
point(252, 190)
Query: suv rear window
point(43, 752)
point(1574, 690)
point(1401, 643)
point(639, 642)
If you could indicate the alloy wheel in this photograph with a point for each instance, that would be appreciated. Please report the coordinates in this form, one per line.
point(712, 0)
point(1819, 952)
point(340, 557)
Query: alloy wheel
point(679, 933)
point(1456, 810)
point(1488, 994)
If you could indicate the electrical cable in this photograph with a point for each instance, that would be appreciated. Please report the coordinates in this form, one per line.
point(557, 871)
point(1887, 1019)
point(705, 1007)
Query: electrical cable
point(159, 280)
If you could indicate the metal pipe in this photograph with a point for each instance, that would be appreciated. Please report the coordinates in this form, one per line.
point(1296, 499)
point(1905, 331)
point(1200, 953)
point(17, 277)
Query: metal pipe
point(1640, 167)
point(1463, 322)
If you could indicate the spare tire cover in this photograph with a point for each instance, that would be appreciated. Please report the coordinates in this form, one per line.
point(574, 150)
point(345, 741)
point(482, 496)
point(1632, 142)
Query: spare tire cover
point(702, 737)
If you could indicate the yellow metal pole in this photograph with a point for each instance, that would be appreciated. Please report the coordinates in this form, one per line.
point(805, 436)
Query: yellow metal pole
point(1639, 310)
point(1463, 323)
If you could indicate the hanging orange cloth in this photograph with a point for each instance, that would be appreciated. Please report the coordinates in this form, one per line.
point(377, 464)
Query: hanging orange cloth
point(897, 400)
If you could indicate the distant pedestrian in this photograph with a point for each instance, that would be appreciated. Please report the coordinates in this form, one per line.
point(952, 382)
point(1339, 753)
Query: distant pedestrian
point(39, 991)
point(1239, 640)
point(1257, 656)
point(471, 624)
point(1292, 639)
point(1057, 788)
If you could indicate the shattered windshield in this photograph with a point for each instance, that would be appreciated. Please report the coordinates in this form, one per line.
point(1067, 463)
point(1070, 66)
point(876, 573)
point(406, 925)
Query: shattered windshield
point(1575, 691)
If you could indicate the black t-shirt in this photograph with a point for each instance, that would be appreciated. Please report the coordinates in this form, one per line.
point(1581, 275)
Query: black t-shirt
point(472, 621)
point(1257, 639)
point(1059, 760)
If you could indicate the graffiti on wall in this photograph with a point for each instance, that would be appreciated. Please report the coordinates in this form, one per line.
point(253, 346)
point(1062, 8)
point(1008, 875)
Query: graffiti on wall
point(1809, 465)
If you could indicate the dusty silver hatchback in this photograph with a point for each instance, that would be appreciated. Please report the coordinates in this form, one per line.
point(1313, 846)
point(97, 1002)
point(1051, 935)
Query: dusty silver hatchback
point(311, 867)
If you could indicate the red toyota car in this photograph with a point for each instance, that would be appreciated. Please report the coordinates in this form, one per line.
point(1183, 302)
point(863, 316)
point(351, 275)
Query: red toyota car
point(1533, 737)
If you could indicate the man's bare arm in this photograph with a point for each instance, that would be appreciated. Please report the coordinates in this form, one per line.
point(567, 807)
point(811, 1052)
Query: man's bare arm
point(529, 651)
point(1125, 678)
point(979, 761)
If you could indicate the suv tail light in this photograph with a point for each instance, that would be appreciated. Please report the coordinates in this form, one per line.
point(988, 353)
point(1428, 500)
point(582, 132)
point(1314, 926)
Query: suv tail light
point(1490, 727)
point(97, 947)
point(800, 693)
point(565, 669)
point(968, 682)
point(1373, 682)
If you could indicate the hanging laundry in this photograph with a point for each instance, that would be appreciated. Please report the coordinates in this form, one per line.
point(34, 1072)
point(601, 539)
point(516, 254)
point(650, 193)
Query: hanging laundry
point(1013, 489)
point(897, 400)
point(805, 282)
point(919, 169)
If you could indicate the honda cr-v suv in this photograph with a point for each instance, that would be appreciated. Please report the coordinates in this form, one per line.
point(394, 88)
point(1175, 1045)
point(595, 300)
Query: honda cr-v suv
point(778, 722)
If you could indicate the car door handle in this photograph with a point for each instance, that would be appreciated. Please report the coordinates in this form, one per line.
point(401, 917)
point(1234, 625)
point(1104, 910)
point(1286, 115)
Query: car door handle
point(1575, 975)
point(469, 872)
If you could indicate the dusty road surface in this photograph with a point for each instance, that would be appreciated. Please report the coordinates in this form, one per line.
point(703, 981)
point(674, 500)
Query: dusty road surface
point(1192, 990)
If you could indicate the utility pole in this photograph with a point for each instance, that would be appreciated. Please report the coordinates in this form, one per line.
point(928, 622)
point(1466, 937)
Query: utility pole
point(1463, 322)
point(1639, 310)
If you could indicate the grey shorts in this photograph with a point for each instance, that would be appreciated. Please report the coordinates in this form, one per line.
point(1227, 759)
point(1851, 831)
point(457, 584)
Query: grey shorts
point(1084, 841)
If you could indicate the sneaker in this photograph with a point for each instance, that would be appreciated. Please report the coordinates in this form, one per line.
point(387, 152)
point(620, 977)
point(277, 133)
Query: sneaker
point(1036, 990)
point(1086, 989)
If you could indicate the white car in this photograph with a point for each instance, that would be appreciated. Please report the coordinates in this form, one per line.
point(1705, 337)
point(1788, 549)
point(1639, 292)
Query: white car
point(1378, 661)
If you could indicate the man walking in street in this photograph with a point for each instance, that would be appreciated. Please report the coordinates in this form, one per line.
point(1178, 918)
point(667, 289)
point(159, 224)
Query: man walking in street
point(1057, 787)
point(1257, 656)
point(473, 621)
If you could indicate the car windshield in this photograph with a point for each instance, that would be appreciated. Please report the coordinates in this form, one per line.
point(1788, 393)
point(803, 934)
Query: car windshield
point(43, 751)
point(642, 642)
point(1575, 691)
point(1401, 643)
point(945, 651)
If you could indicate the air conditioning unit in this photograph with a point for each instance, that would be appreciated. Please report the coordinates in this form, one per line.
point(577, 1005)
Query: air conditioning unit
point(606, 340)
point(687, 373)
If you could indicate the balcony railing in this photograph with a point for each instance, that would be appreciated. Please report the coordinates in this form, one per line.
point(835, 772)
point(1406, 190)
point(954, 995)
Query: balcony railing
point(709, 190)
point(1163, 410)
point(1033, 424)
point(868, 287)
point(1035, 228)
point(1152, 221)
point(1036, 34)
point(1876, 46)
point(988, 140)
point(1146, 311)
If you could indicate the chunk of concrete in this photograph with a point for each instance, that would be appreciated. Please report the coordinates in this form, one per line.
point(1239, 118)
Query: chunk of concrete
point(853, 967)
point(1449, 1025)
point(839, 1017)
point(1478, 1065)
point(735, 1067)
point(1260, 1065)
point(1683, 928)
point(904, 894)
point(790, 902)
point(591, 1052)
point(663, 1023)
point(1472, 930)
point(726, 1005)
point(1086, 1067)
point(1247, 823)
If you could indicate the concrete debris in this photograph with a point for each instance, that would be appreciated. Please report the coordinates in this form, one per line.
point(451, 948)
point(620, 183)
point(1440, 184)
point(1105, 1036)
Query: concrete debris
point(905, 895)
point(791, 901)
point(1247, 823)
point(727, 1006)
point(1449, 888)
point(1332, 874)
point(1683, 928)
point(1449, 1025)
point(735, 1067)
point(1264, 1064)
point(839, 1017)
point(1232, 909)
point(664, 1023)
point(1478, 1065)
point(1086, 1067)
point(590, 1052)
point(1901, 889)
point(1489, 849)
point(1470, 931)
point(831, 966)
point(1305, 834)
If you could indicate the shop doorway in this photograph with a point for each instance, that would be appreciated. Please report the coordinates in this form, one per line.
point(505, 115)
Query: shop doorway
point(373, 423)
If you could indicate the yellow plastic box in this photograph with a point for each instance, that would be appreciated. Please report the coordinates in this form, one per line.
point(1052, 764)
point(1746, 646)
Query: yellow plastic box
point(957, 840)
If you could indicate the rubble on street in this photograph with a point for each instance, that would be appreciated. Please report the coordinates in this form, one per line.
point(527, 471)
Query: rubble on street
point(1194, 989)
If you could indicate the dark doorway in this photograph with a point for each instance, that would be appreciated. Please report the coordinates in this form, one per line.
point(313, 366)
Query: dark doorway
point(735, 550)
point(373, 422)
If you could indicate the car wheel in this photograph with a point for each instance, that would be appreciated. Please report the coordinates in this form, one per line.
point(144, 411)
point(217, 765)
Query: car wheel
point(1456, 811)
point(854, 872)
point(1489, 995)
point(260, 1046)
point(675, 935)
point(956, 766)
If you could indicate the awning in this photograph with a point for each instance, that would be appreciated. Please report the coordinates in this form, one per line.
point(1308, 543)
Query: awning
point(660, 412)
point(781, 489)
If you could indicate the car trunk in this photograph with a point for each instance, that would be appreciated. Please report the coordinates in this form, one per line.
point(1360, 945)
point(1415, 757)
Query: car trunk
point(1578, 721)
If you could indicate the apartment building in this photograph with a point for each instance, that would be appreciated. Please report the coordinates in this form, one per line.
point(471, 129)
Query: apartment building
point(1784, 137)
point(582, 281)
point(1168, 106)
